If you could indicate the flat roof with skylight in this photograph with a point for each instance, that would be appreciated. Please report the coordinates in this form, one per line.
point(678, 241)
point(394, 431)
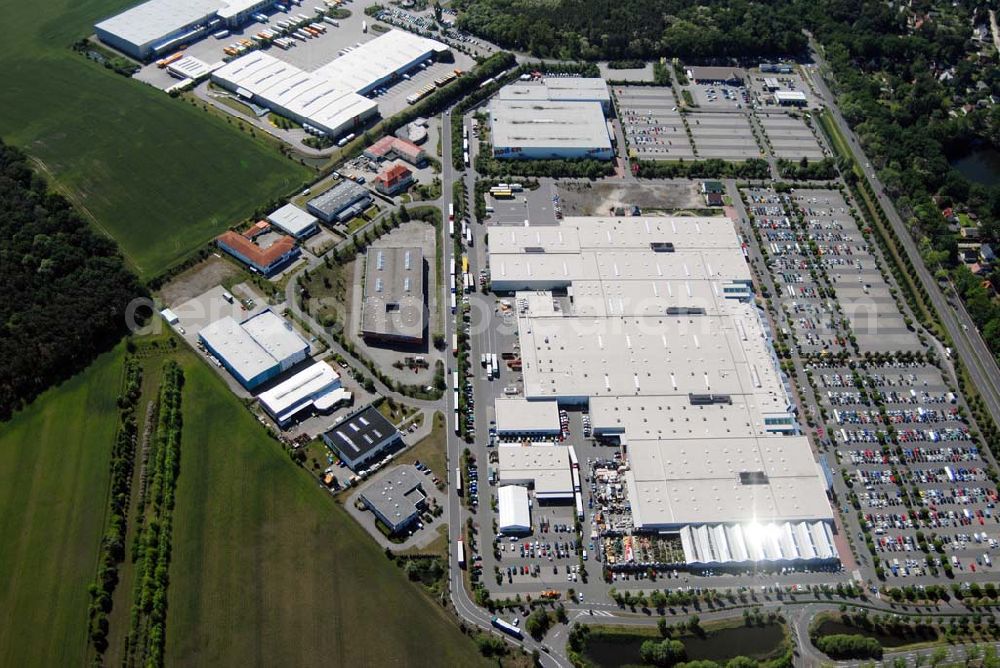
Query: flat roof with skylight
point(655, 329)
point(393, 305)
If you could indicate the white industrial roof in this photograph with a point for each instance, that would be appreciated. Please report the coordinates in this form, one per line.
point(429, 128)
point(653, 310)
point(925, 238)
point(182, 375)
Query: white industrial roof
point(297, 391)
point(231, 341)
point(377, 59)
point(664, 416)
point(558, 89)
point(618, 232)
point(648, 335)
point(327, 103)
point(619, 249)
point(527, 417)
point(697, 481)
point(155, 19)
point(646, 297)
point(275, 335)
point(192, 68)
point(790, 95)
point(515, 514)
point(292, 219)
point(753, 542)
point(544, 124)
point(545, 467)
point(565, 356)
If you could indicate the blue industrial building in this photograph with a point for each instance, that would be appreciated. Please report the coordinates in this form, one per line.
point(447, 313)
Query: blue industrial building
point(256, 350)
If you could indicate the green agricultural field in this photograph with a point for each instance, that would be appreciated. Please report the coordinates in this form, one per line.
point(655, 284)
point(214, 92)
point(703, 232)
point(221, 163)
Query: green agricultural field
point(268, 570)
point(53, 484)
point(159, 175)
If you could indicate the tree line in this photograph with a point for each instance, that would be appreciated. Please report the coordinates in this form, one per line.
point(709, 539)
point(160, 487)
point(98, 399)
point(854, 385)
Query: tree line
point(66, 289)
point(151, 548)
point(637, 29)
point(112, 550)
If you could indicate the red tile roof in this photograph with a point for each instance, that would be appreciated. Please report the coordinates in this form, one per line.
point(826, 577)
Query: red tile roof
point(263, 257)
point(393, 173)
point(390, 144)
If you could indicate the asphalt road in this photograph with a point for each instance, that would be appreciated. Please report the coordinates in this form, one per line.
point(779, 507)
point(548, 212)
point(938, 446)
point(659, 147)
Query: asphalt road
point(464, 605)
point(968, 343)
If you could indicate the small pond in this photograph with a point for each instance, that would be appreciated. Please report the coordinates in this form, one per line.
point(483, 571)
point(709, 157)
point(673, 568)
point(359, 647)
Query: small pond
point(981, 165)
point(833, 627)
point(620, 650)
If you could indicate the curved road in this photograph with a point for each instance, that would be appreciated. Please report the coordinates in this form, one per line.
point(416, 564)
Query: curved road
point(464, 605)
point(969, 345)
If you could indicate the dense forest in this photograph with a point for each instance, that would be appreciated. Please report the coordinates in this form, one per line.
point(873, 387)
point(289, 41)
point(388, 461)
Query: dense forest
point(626, 29)
point(65, 289)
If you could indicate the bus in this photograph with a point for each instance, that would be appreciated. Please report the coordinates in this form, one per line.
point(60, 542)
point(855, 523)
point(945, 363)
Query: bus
point(460, 553)
point(453, 303)
point(506, 627)
point(451, 211)
point(454, 344)
point(458, 472)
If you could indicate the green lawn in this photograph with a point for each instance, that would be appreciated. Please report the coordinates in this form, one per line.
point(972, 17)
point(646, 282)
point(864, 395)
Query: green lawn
point(269, 570)
point(159, 175)
point(53, 483)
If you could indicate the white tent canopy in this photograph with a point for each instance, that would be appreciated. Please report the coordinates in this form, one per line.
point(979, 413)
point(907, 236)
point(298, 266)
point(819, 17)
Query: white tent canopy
point(515, 516)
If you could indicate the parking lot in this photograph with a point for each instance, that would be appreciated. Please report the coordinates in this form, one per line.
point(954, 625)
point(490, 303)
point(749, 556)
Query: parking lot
point(535, 207)
point(847, 260)
point(797, 274)
point(652, 123)
point(727, 136)
point(913, 471)
point(718, 97)
point(789, 136)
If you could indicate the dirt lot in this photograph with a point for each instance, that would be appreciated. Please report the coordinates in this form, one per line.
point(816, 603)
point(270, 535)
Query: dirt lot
point(198, 280)
point(586, 199)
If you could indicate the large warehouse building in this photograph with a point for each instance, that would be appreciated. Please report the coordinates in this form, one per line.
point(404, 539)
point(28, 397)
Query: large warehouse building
point(559, 89)
point(332, 97)
point(393, 308)
point(255, 350)
point(658, 335)
point(304, 97)
point(534, 130)
point(158, 26)
point(381, 61)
